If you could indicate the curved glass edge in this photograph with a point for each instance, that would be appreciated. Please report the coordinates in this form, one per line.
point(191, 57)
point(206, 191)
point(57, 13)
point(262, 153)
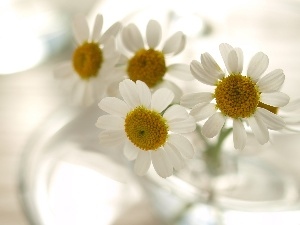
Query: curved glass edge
point(56, 121)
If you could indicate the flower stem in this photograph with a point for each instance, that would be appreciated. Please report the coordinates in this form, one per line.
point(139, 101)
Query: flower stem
point(213, 160)
point(212, 153)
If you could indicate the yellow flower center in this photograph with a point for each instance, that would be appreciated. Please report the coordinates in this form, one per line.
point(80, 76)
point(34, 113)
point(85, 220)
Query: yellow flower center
point(148, 66)
point(272, 109)
point(87, 60)
point(237, 96)
point(146, 129)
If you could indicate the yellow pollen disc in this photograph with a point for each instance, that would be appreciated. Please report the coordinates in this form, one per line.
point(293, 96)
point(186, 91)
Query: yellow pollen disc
point(87, 60)
point(272, 109)
point(237, 96)
point(148, 66)
point(146, 129)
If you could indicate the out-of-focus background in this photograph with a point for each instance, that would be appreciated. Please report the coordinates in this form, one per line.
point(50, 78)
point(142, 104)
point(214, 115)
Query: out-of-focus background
point(35, 36)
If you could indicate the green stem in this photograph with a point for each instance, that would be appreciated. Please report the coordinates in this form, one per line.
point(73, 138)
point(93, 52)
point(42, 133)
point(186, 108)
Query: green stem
point(179, 215)
point(213, 161)
point(212, 153)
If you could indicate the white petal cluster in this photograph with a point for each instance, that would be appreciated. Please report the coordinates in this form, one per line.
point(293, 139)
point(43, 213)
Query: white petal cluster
point(86, 91)
point(208, 72)
point(133, 41)
point(167, 157)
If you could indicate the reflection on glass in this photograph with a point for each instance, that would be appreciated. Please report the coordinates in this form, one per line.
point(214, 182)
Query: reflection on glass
point(79, 195)
point(30, 31)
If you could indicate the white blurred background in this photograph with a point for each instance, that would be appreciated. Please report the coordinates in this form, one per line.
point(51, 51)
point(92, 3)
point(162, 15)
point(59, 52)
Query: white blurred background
point(35, 36)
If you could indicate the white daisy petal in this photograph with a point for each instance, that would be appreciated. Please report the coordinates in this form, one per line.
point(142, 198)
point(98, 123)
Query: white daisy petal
point(130, 150)
point(110, 122)
point(77, 92)
point(181, 45)
point(110, 32)
point(240, 56)
point(80, 29)
point(203, 110)
point(213, 125)
point(144, 93)
point(200, 74)
point(271, 81)
point(173, 43)
point(259, 129)
point(109, 73)
point(192, 99)
point(127, 41)
point(273, 121)
point(175, 112)
point(142, 163)
point(128, 91)
point(211, 66)
point(239, 134)
point(112, 138)
point(292, 106)
point(224, 50)
point(277, 99)
point(175, 157)
point(161, 99)
point(112, 90)
point(180, 71)
point(83, 93)
point(114, 106)
point(97, 28)
point(161, 163)
point(171, 86)
point(122, 60)
point(233, 62)
point(153, 33)
point(258, 64)
point(133, 38)
point(182, 144)
point(182, 126)
point(109, 49)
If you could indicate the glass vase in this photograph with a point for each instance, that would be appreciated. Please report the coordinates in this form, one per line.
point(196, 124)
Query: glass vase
point(228, 187)
point(67, 177)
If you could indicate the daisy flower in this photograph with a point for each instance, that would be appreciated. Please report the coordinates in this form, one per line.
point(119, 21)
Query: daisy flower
point(91, 70)
point(147, 127)
point(237, 96)
point(149, 62)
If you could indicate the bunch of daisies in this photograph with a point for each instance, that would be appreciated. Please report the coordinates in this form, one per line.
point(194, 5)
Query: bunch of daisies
point(147, 115)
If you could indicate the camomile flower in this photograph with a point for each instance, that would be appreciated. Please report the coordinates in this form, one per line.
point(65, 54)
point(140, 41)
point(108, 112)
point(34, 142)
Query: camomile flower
point(147, 127)
point(148, 61)
point(237, 96)
point(91, 71)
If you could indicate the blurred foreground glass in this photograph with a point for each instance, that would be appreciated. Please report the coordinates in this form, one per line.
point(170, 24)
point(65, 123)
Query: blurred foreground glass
point(30, 32)
point(66, 177)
